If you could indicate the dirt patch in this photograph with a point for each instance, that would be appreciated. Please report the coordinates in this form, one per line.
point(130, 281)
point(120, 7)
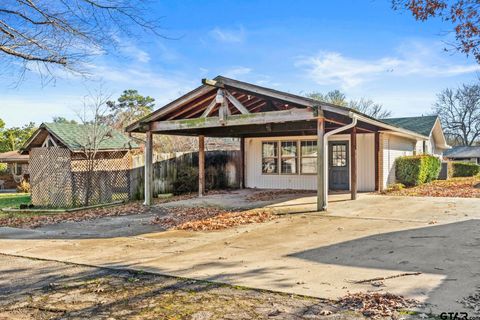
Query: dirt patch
point(275, 194)
point(454, 187)
point(89, 293)
point(37, 220)
point(210, 218)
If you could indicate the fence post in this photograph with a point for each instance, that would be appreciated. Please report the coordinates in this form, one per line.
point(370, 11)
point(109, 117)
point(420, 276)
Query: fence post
point(148, 168)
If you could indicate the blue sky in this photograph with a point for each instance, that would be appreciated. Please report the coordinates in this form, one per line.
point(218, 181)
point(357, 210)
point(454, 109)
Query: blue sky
point(363, 48)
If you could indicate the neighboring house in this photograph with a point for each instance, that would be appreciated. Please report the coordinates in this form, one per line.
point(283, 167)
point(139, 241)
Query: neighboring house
point(17, 165)
point(293, 142)
point(74, 164)
point(464, 153)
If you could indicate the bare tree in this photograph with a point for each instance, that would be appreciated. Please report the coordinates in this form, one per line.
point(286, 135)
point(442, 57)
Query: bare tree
point(459, 111)
point(363, 105)
point(369, 107)
point(92, 138)
point(64, 33)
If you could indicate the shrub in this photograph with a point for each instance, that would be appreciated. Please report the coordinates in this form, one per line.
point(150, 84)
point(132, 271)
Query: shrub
point(415, 170)
point(464, 169)
point(3, 168)
point(186, 181)
point(24, 187)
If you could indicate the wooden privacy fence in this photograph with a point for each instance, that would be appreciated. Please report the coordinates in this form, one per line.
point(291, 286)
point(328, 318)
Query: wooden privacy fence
point(222, 170)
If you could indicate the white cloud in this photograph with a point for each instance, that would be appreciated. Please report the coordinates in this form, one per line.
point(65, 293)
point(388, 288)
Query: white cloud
point(327, 68)
point(228, 35)
point(236, 72)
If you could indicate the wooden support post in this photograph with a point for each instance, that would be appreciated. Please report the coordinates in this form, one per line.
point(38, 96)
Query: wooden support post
point(148, 168)
point(353, 165)
point(322, 193)
point(242, 163)
point(377, 162)
point(201, 165)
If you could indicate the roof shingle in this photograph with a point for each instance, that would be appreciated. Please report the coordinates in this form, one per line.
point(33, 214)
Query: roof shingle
point(422, 125)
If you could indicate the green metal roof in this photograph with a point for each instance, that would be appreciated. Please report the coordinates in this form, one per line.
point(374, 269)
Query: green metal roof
point(422, 125)
point(78, 136)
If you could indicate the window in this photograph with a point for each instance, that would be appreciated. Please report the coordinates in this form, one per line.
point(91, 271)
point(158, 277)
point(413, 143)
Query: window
point(288, 160)
point(270, 157)
point(339, 155)
point(308, 162)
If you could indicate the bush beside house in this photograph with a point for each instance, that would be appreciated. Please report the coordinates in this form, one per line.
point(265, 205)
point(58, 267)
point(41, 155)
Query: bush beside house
point(416, 170)
point(463, 169)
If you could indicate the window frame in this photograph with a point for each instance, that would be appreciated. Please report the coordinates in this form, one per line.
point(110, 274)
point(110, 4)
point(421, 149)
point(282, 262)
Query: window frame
point(308, 157)
point(296, 157)
point(276, 158)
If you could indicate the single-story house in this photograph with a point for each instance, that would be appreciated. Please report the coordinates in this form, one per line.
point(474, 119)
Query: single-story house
point(292, 142)
point(464, 153)
point(17, 165)
point(76, 164)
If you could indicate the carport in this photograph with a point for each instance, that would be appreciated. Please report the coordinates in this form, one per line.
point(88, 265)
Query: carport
point(224, 107)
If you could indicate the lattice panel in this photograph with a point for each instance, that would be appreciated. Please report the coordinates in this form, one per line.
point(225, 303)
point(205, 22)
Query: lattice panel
point(58, 180)
point(50, 177)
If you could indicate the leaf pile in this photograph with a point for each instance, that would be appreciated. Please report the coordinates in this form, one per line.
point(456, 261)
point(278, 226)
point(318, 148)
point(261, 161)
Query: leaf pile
point(35, 220)
point(275, 194)
point(376, 305)
point(208, 218)
point(473, 302)
point(454, 187)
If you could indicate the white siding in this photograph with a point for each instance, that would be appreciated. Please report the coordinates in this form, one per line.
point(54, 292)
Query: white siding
point(255, 179)
point(394, 147)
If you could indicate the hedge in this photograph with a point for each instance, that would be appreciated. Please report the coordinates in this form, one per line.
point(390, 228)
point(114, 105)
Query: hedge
point(415, 170)
point(463, 169)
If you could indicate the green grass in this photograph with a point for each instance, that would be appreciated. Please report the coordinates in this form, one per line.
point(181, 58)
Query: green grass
point(13, 200)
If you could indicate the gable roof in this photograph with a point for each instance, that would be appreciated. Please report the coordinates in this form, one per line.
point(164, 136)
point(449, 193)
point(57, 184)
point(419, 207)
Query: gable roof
point(76, 136)
point(463, 152)
point(422, 125)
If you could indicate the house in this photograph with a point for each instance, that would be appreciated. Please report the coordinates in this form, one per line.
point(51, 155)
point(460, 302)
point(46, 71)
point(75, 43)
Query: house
point(290, 141)
point(17, 165)
point(75, 165)
point(464, 153)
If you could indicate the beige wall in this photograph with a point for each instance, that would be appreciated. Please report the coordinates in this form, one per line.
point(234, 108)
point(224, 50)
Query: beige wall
point(255, 179)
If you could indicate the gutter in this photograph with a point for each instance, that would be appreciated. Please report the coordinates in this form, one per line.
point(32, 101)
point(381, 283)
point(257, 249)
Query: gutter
point(354, 118)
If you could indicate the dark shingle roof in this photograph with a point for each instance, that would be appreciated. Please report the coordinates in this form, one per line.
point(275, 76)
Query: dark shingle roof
point(76, 136)
point(463, 152)
point(422, 125)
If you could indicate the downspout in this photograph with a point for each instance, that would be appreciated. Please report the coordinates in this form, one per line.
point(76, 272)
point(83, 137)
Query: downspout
point(353, 116)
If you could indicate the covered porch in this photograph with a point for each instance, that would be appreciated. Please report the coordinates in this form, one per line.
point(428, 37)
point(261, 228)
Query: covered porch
point(286, 141)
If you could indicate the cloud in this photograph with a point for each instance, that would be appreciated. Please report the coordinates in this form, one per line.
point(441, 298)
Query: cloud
point(327, 68)
point(228, 35)
point(236, 72)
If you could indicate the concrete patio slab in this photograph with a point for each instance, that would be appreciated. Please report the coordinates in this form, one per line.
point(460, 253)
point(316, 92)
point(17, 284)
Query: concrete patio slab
point(316, 254)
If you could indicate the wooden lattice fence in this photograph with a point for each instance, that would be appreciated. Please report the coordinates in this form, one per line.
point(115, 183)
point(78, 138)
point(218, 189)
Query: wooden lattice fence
point(59, 179)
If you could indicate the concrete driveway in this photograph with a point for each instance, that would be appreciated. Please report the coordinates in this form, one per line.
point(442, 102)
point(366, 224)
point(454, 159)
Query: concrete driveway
point(317, 254)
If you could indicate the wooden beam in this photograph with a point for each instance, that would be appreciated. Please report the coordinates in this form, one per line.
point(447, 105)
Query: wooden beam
point(209, 109)
point(237, 104)
point(353, 165)
point(201, 166)
point(242, 163)
point(148, 168)
point(321, 172)
point(233, 120)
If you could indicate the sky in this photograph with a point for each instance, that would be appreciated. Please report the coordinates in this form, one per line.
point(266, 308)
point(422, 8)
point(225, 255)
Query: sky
point(361, 47)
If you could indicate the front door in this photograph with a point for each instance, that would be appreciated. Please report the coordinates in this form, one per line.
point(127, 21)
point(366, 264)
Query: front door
point(338, 169)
